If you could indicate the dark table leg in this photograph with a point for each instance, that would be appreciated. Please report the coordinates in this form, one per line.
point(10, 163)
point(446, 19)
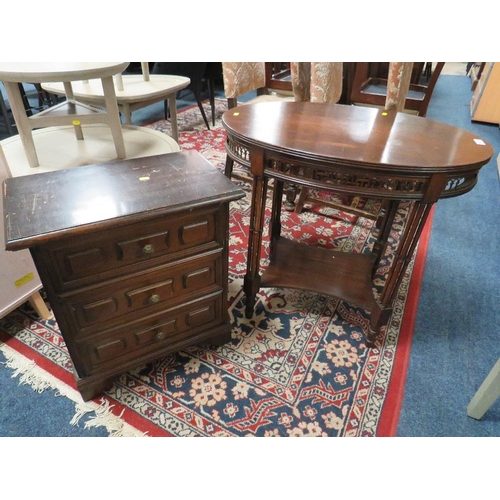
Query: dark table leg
point(251, 283)
point(415, 222)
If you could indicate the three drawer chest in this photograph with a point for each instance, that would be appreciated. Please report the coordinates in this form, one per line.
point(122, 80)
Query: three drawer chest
point(133, 256)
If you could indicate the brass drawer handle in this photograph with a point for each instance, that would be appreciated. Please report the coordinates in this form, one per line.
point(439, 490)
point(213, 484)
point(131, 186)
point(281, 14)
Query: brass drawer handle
point(160, 336)
point(148, 249)
point(154, 299)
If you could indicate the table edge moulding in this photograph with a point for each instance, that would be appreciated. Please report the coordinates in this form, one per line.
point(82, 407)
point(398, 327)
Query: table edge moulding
point(355, 151)
point(133, 256)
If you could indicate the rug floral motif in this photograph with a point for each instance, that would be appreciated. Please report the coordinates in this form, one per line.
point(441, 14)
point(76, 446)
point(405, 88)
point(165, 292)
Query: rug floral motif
point(298, 367)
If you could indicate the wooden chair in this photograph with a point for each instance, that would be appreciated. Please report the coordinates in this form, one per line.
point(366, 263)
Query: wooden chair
point(370, 89)
point(279, 77)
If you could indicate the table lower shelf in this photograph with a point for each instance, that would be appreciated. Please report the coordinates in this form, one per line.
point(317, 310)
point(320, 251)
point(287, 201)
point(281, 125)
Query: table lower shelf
point(343, 275)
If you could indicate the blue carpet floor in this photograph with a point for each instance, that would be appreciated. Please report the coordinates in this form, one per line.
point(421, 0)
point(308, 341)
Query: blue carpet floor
point(25, 413)
point(457, 333)
point(456, 338)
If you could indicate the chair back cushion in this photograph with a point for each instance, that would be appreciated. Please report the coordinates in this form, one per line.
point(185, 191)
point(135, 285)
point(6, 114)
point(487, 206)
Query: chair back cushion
point(317, 81)
point(242, 77)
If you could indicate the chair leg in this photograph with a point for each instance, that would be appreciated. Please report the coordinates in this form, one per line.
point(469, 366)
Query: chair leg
point(202, 111)
point(200, 105)
point(212, 99)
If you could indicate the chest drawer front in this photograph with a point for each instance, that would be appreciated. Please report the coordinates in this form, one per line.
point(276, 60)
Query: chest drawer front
point(91, 258)
point(162, 332)
point(149, 291)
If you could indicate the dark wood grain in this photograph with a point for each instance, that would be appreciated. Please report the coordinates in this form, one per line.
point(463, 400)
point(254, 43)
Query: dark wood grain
point(356, 135)
point(42, 207)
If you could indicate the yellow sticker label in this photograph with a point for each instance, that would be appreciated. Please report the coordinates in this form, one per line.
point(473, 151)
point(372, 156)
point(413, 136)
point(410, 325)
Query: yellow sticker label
point(76, 122)
point(25, 279)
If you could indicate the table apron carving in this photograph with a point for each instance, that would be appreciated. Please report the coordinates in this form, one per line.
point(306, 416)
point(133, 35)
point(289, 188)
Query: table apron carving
point(348, 179)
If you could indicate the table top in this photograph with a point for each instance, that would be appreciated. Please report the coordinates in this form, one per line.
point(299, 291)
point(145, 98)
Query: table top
point(135, 89)
point(358, 136)
point(42, 207)
point(38, 72)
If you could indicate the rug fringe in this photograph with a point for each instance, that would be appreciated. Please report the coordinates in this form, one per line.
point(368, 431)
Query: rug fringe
point(39, 380)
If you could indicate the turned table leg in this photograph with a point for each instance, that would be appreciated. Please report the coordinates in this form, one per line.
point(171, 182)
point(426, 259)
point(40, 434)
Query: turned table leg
point(379, 316)
point(251, 282)
point(415, 222)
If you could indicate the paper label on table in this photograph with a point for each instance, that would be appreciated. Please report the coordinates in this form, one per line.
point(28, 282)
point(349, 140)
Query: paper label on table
point(25, 279)
point(480, 142)
point(76, 122)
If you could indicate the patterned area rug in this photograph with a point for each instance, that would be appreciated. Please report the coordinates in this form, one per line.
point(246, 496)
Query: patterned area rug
point(299, 367)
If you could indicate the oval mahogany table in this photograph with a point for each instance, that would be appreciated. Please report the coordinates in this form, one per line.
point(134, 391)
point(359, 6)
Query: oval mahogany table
point(349, 150)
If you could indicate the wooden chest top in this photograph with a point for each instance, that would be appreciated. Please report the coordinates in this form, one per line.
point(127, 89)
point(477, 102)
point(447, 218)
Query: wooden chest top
point(41, 207)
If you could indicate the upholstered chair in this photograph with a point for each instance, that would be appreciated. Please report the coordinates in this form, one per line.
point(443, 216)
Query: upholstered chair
point(244, 77)
point(317, 81)
point(398, 84)
point(378, 91)
point(241, 78)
